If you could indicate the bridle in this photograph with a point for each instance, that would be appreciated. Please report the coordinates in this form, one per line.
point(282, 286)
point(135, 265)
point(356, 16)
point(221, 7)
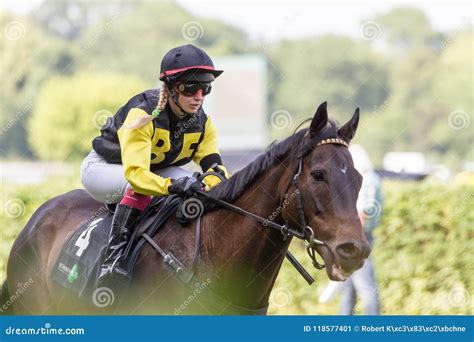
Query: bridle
point(309, 237)
point(303, 232)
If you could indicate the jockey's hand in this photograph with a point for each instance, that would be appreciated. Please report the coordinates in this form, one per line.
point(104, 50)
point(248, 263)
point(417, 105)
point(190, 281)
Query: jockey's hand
point(185, 186)
point(211, 180)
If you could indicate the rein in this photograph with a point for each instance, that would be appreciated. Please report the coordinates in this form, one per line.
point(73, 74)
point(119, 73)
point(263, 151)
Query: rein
point(304, 232)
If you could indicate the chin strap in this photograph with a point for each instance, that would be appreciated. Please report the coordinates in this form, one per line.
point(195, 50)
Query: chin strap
point(174, 96)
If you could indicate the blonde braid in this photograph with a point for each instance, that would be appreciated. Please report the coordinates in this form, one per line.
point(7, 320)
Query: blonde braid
point(163, 100)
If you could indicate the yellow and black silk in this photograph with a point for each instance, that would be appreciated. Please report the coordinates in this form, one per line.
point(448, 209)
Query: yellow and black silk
point(164, 141)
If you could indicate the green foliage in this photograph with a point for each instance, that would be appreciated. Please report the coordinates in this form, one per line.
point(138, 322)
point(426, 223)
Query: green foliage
point(430, 112)
point(338, 69)
point(66, 37)
point(405, 28)
point(407, 83)
point(69, 112)
point(133, 39)
point(423, 249)
point(68, 19)
point(18, 204)
point(431, 228)
point(423, 255)
point(453, 88)
point(29, 56)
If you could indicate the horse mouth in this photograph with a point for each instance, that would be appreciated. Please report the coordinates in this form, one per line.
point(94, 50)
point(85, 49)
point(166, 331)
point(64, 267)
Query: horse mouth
point(338, 273)
point(334, 269)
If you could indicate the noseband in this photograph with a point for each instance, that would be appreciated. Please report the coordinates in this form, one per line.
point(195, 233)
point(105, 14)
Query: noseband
point(305, 232)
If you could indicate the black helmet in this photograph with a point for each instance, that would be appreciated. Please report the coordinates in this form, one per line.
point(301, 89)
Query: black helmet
point(187, 62)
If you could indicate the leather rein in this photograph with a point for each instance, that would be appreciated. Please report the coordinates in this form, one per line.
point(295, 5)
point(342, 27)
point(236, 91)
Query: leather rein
point(303, 232)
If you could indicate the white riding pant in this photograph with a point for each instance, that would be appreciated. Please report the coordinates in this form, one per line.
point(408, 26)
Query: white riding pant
point(106, 182)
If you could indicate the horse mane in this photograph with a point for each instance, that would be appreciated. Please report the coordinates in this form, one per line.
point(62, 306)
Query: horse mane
point(229, 190)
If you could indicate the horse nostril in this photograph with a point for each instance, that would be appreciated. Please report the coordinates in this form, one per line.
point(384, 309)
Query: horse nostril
point(348, 250)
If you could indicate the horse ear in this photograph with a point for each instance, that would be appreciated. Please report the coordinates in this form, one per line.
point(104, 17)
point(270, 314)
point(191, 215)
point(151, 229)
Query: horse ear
point(348, 131)
point(320, 119)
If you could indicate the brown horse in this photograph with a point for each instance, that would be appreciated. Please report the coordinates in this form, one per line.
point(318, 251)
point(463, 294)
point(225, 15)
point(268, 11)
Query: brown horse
point(239, 258)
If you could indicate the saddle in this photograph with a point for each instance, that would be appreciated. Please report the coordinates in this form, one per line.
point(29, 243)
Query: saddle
point(78, 265)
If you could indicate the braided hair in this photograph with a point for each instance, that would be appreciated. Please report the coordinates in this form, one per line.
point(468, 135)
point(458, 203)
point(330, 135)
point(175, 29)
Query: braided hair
point(162, 101)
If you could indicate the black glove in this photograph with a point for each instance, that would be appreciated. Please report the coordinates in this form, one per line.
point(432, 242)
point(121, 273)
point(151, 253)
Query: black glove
point(215, 167)
point(185, 186)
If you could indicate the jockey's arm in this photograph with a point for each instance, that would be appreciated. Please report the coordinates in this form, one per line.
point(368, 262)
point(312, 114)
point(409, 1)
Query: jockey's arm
point(207, 155)
point(136, 156)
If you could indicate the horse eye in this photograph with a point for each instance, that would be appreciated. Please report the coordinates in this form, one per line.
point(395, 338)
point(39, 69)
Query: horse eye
point(318, 175)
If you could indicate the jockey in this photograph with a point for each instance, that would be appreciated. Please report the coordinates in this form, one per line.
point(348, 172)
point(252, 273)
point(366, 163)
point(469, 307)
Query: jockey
point(141, 148)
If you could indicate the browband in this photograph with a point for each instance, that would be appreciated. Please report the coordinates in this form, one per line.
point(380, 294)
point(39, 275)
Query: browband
point(333, 141)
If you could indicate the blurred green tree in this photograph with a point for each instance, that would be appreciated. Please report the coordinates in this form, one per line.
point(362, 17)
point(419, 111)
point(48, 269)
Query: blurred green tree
point(340, 70)
point(404, 29)
point(29, 56)
point(430, 81)
point(96, 37)
point(451, 132)
point(408, 82)
point(133, 40)
point(69, 112)
point(69, 19)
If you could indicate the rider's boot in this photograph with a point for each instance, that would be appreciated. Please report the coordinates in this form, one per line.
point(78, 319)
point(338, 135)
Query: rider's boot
point(114, 267)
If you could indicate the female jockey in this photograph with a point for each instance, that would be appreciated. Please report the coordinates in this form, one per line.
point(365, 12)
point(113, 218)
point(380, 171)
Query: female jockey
point(141, 147)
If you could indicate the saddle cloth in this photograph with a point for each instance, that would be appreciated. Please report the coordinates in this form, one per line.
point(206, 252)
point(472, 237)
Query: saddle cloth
point(78, 264)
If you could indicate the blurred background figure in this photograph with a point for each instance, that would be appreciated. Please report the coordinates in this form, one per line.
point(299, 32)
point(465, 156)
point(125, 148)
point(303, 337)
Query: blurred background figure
point(362, 283)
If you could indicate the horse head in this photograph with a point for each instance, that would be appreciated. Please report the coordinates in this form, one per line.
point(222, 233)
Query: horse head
point(329, 186)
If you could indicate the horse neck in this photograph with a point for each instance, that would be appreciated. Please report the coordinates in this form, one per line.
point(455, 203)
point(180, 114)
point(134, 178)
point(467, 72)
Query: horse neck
point(245, 255)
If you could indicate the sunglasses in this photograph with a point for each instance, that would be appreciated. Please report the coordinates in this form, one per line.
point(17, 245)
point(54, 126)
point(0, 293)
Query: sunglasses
point(189, 89)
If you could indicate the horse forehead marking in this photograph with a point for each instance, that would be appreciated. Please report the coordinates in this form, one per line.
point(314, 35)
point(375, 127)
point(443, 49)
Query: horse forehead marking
point(344, 168)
